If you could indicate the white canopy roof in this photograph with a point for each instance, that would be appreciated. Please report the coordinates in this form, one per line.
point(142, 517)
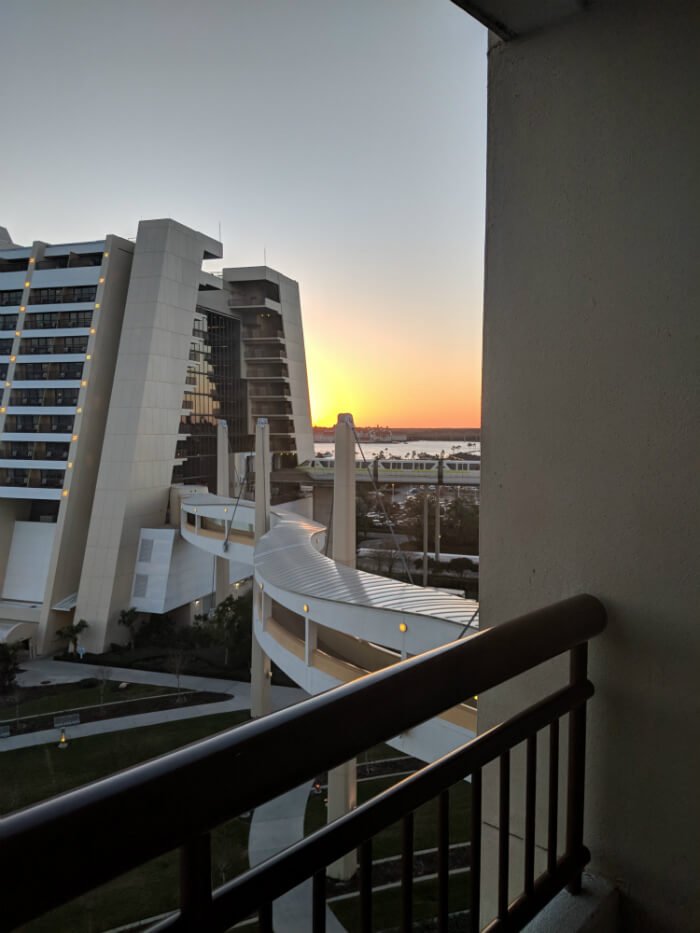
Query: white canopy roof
point(287, 556)
point(13, 632)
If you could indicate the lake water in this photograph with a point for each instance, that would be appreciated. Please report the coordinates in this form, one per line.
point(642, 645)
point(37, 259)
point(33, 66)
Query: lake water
point(431, 448)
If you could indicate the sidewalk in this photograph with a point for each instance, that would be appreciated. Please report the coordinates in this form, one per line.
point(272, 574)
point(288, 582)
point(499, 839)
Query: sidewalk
point(275, 826)
point(42, 670)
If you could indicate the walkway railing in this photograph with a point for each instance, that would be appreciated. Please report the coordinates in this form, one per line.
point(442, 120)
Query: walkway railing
point(60, 849)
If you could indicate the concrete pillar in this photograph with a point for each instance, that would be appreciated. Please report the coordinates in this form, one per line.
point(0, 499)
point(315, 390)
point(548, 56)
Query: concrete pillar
point(342, 781)
point(260, 681)
point(223, 586)
point(344, 535)
point(222, 489)
point(425, 536)
point(260, 667)
point(262, 478)
point(310, 641)
point(437, 523)
point(222, 465)
point(323, 512)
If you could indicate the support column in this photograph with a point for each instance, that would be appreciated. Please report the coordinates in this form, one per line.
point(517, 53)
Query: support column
point(344, 534)
point(425, 536)
point(223, 587)
point(262, 478)
point(437, 523)
point(342, 781)
point(310, 640)
point(222, 465)
point(260, 666)
point(260, 681)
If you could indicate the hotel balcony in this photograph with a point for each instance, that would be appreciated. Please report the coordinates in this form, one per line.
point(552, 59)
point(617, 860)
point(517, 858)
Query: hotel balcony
point(588, 486)
point(161, 814)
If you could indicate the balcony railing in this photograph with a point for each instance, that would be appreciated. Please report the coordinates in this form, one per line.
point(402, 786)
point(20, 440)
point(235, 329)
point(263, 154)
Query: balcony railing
point(176, 800)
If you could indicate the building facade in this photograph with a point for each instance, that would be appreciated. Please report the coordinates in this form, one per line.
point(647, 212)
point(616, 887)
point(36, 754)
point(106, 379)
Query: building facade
point(118, 359)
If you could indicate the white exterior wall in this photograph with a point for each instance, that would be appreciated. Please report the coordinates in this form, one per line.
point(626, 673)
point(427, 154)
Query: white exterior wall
point(75, 509)
point(29, 560)
point(135, 472)
point(591, 411)
point(296, 362)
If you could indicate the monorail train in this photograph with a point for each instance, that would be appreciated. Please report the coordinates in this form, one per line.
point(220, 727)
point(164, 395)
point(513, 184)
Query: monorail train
point(442, 472)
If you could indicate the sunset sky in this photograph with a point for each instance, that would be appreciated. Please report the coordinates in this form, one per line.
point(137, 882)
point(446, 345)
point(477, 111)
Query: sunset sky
point(344, 139)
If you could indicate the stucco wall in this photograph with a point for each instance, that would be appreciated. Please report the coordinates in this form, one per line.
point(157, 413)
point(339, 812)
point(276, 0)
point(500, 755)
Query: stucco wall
point(591, 409)
point(133, 482)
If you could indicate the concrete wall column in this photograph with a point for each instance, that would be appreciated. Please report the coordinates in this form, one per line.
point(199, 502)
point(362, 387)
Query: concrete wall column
point(425, 536)
point(437, 523)
point(344, 534)
point(222, 465)
point(262, 478)
point(310, 640)
point(223, 587)
point(260, 666)
point(591, 407)
point(342, 781)
point(260, 681)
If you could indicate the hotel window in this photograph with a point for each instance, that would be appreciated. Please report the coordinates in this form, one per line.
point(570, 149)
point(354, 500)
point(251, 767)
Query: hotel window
point(45, 320)
point(13, 297)
point(73, 293)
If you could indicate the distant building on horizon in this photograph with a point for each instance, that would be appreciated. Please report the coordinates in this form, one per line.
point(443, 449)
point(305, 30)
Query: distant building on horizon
point(118, 360)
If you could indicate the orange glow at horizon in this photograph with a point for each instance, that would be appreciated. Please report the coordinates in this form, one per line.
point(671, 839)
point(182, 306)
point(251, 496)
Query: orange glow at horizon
point(399, 391)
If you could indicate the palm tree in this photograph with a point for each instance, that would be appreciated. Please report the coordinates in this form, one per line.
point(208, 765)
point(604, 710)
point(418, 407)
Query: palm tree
point(71, 633)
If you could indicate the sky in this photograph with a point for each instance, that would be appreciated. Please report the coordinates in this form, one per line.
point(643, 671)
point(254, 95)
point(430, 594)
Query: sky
point(342, 140)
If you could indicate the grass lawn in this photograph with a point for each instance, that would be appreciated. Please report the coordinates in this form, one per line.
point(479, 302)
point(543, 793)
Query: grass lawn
point(386, 905)
point(59, 697)
point(28, 775)
point(378, 752)
point(388, 842)
point(33, 774)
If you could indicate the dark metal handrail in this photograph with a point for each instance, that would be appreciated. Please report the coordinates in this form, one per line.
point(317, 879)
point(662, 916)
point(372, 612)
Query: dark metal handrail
point(174, 801)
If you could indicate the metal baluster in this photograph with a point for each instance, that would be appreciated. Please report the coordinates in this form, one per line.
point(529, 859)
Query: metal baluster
point(530, 794)
point(577, 764)
point(366, 886)
point(407, 873)
point(318, 913)
point(553, 796)
point(195, 881)
point(475, 847)
point(503, 829)
point(443, 859)
point(265, 917)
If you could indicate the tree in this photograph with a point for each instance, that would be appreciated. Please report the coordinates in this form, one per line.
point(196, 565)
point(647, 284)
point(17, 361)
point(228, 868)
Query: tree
point(413, 520)
point(8, 667)
point(103, 675)
point(128, 618)
point(230, 625)
point(460, 528)
point(178, 656)
point(70, 634)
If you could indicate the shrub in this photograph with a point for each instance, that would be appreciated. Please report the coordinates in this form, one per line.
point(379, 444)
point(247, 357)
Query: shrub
point(8, 667)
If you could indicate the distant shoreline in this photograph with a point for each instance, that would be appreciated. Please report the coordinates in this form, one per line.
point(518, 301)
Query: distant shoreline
point(423, 434)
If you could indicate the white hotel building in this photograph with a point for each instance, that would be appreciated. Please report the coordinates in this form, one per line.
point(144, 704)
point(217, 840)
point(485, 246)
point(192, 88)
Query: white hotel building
point(118, 358)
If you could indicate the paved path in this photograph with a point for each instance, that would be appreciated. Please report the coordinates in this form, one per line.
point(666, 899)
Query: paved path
point(274, 826)
point(42, 670)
